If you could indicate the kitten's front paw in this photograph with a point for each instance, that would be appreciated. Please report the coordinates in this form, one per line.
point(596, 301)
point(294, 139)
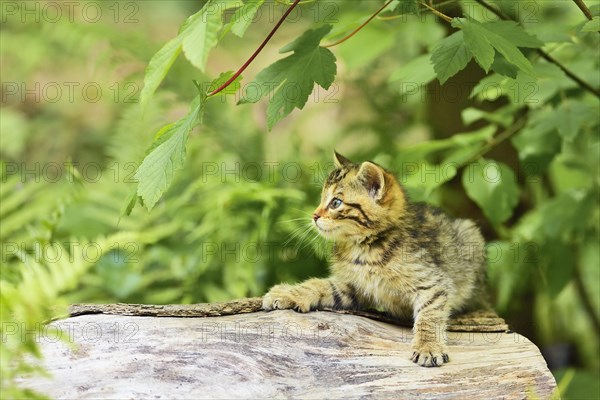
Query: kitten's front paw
point(282, 297)
point(430, 354)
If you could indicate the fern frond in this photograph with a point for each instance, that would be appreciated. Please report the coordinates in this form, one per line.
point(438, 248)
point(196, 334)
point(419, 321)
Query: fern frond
point(27, 305)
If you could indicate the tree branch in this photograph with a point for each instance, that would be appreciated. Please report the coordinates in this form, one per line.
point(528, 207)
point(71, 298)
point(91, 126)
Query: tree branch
point(257, 51)
point(393, 17)
point(544, 55)
point(583, 84)
point(496, 140)
point(354, 32)
point(438, 13)
point(584, 9)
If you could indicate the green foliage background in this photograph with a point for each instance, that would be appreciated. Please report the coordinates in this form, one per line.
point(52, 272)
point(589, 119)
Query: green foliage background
point(508, 140)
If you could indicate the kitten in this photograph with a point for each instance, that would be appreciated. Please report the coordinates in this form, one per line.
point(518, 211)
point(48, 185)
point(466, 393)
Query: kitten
point(407, 258)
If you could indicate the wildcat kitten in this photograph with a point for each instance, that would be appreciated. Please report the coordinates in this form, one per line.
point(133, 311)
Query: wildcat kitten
point(408, 258)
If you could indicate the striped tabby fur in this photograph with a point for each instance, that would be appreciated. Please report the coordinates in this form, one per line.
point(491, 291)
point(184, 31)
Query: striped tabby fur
point(407, 258)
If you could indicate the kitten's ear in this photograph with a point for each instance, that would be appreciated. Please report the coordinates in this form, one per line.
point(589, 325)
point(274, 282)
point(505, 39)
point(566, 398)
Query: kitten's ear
point(341, 161)
point(373, 178)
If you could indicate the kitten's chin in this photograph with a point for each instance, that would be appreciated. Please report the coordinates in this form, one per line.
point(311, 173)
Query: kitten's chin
point(333, 234)
point(327, 232)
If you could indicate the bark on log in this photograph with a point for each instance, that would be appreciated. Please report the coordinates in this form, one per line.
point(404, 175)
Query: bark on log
point(479, 321)
point(238, 353)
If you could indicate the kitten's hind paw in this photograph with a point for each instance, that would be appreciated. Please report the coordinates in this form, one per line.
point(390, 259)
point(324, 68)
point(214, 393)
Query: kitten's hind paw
point(283, 297)
point(430, 355)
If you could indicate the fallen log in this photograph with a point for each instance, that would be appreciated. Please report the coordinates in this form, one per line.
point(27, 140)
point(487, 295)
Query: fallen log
point(232, 350)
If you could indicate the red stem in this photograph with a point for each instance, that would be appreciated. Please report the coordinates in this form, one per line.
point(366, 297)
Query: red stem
point(263, 44)
point(354, 32)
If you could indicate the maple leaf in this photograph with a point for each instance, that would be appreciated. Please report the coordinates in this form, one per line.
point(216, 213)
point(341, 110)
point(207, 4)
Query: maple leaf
point(291, 80)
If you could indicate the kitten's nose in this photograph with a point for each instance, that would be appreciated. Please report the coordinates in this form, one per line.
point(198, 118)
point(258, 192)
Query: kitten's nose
point(316, 217)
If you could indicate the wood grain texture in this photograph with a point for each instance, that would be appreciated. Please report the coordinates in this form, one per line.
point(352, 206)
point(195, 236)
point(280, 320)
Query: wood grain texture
point(240, 306)
point(280, 354)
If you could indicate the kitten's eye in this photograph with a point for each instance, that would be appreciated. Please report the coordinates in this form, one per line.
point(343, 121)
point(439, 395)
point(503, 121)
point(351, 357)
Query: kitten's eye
point(335, 203)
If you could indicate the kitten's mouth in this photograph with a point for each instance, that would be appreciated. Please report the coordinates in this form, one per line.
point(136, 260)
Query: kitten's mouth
point(324, 230)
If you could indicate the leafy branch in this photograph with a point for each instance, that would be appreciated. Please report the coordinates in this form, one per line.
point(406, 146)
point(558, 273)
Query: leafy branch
point(544, 55)
point(309, 64)
point(257, 51)
point(494, 45)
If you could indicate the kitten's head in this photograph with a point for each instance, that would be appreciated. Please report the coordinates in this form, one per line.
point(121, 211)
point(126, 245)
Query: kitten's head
point(358, 201)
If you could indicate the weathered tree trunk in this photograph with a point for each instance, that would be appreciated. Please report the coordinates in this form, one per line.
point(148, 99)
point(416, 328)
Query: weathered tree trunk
point(233, 351)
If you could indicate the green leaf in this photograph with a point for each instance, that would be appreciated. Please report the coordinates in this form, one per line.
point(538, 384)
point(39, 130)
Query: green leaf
point(197, 36)
point(127, 208)
point(392, 6)
point(422, 178)
point(468, 145)
point(569, 215)
point(512, 54)
point(503, 39)
point(156, 171)
point(478, 45)
point(291, 80)
point(571, 116)
point(155, 174)
point(161, 136)
point(158, 67)
point(592, 26)
point(493, 186)
point(525, 89)
point(503, 67)
point(489, 88)
point(244, 16)
point(200, 33)
point(558, 261)
point(513, 32)
point(450, 56)
point(421, 151)
point(537, 143)
point(471, 114)
point(224, 77)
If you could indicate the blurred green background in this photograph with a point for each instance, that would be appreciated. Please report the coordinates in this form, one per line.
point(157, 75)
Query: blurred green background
point(234, 220)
